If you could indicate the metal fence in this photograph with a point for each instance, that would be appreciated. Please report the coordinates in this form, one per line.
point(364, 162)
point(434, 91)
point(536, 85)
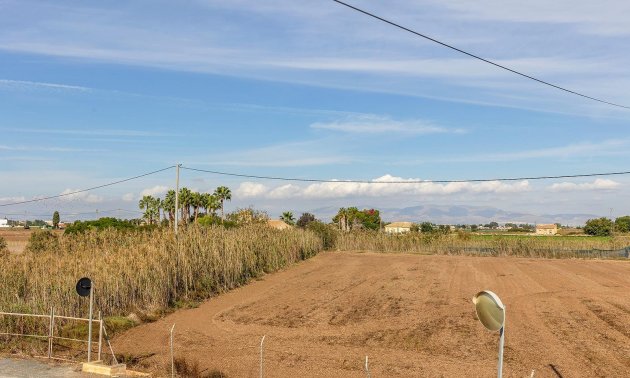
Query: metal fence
point(51, 331)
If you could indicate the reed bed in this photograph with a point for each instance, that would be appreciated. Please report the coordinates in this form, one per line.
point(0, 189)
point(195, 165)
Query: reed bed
point(485, 245)
point(145, 272)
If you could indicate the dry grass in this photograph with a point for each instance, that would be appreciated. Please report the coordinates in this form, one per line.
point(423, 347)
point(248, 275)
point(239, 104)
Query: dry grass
point(144, 272)
point(496, 245)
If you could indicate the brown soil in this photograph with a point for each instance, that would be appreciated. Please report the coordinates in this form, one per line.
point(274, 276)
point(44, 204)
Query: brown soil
point(411, 314)
point(17, 237)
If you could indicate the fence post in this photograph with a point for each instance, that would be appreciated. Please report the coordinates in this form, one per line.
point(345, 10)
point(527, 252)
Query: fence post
point(261, 356)
point(367, 367)
point(100, 335)
point(51, 331)
point(172, 356)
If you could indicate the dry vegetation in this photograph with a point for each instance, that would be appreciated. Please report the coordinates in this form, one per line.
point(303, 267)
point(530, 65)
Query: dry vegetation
point(144, 271)
point(464, 243)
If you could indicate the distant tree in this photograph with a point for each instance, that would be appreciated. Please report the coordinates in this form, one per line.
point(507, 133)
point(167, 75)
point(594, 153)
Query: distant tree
point(148, 204)
point(287, 217)
point(474, 227)
point(223, 193)
point(492, 225)
point(55, 220)
point(622, 224)
point(185, 199)
point(305, 219)
point(598, 227)
point(426, 227)
point(415, 228)
point(352, 218)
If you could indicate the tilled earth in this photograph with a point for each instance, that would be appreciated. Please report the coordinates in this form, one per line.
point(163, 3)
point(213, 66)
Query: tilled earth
point(412, 315)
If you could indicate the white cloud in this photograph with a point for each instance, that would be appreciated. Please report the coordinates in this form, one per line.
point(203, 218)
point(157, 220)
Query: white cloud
point(83, 196)
point(598, 184)
point(251, 189)
point(154, 191)
point(375, 124)
point(12, 199)
point(383, 186)
point(128, 197)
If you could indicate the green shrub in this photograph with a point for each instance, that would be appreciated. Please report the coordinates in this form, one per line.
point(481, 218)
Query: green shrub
point(598, 227)
point(41, 241)
point(327, 233)
point(3, 246)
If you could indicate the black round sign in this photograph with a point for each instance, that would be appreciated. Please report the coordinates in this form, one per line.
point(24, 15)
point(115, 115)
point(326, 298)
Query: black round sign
point(83, 287)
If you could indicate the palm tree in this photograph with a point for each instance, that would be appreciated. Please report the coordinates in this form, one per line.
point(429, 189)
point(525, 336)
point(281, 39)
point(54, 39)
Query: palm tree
point(147, 203)
point(210, 203)
point(185, 197)
point(287, 217)
point(168, 204)
point(196, 201)
point(223, 193)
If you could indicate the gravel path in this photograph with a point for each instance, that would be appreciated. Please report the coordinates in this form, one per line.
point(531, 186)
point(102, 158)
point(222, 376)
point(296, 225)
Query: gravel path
point(19, 368)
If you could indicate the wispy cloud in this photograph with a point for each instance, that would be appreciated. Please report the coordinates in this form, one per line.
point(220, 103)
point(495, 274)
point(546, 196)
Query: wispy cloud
point(598, 184)
point(28, 85)
point(154, 191)
point(90, 132)
point(49, 149)
point(83, 196)
point(375, 124)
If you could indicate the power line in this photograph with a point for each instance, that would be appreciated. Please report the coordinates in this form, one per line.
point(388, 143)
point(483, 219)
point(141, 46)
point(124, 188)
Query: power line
point(405, 182)
point(477, 56)
point(88, 189)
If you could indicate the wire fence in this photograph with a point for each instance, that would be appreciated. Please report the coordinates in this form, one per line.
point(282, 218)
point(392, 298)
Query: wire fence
point(55, 337)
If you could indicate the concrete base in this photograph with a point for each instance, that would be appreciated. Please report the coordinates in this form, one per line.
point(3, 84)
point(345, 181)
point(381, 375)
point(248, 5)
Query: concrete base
point(97, 367)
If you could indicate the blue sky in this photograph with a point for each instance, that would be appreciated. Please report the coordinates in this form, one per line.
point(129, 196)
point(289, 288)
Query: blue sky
point(91, 93)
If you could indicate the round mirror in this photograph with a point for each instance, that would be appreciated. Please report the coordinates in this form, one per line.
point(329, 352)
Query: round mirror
point(83, 286)
point(490, 310)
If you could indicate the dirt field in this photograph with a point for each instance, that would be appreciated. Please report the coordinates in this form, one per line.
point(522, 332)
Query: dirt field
point(412, 315)
point(17, 238)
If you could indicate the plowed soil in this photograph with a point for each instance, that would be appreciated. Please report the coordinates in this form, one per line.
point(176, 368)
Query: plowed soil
point(412, 315)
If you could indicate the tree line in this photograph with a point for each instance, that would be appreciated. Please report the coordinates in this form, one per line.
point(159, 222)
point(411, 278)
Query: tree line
point(192, 205)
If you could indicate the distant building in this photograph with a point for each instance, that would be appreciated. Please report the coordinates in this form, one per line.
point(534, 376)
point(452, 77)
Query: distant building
point(278, 224)
point(398, 227)
point(546, 229)
point(4, 223)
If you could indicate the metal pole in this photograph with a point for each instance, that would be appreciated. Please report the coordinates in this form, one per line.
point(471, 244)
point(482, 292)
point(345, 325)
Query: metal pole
point(50, 332)
point(100, 335)
point(177, 197)
point(172, 357)
point(90, 323)
point(501, 341)
point(261, 356)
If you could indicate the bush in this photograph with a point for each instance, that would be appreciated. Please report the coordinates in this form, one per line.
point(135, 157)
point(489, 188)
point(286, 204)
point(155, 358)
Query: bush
point(305, 219)
point(41, 241)
point(99, 224)
point(598, 227)
point(3, 246)
point(622, 224)
point(327, 233)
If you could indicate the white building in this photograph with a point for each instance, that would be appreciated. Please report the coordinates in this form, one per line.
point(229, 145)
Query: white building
point(546, 229)
point(398, 227)
point(4, 223)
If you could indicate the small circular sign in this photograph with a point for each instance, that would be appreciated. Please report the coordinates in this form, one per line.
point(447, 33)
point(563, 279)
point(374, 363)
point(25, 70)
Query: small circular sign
point(490, 310)
point(84, 286)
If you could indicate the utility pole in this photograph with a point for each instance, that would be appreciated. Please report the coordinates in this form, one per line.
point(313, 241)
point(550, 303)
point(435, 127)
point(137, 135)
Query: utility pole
point(177, 198)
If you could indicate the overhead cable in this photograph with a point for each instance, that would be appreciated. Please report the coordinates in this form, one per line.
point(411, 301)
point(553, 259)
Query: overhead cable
point(87, 189)
point(478, 57)
point(403, 181)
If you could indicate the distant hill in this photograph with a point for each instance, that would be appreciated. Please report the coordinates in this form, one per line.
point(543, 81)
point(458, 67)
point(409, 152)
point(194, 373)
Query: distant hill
point(458, 214)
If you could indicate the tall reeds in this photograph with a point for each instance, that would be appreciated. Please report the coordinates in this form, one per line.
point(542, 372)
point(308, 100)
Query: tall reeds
point(145, 271)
